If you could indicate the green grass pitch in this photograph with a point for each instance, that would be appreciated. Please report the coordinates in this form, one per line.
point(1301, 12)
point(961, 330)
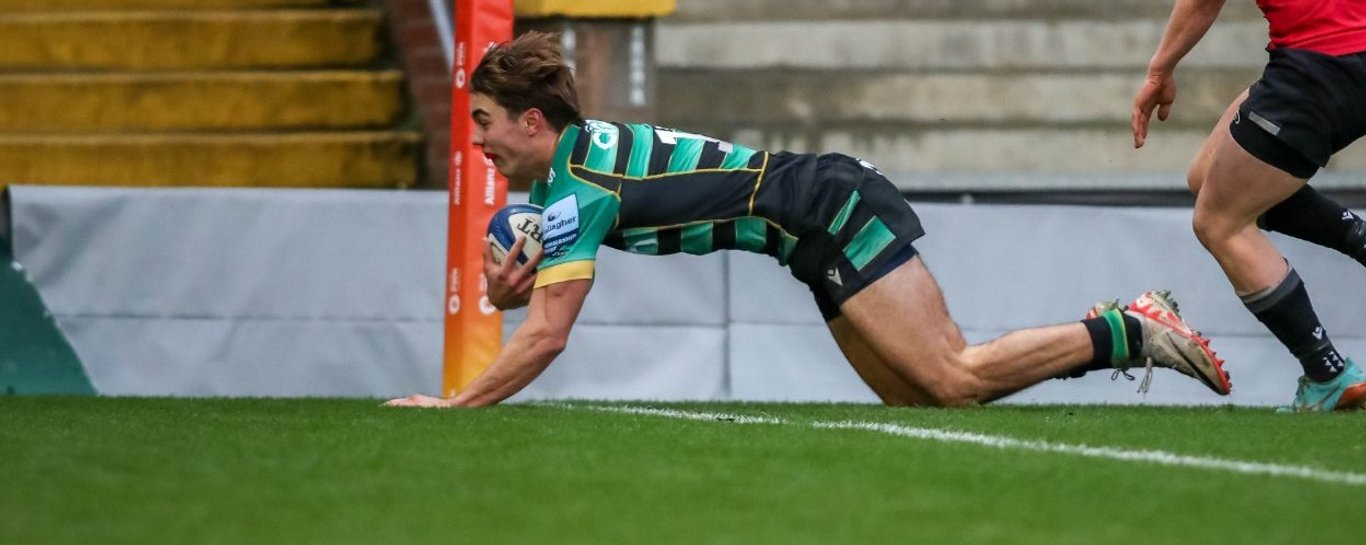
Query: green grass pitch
point(253, 471)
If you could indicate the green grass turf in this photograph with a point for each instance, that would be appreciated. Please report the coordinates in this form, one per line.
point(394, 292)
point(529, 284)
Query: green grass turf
point(146, 471)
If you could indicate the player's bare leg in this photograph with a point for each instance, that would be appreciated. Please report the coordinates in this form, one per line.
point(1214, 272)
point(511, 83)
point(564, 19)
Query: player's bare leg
point(904, 319)
point(1195, 177)
point(1237, 189)
point(886, 383)
point(1306, 214)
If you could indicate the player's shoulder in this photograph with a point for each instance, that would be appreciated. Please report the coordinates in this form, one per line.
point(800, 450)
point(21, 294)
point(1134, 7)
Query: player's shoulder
point(607, 133)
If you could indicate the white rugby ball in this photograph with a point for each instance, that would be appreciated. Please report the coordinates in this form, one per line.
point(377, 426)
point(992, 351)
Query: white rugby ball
point(511, 222)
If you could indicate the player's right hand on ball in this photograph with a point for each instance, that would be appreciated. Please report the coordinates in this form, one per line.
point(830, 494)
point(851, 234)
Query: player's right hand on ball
point(510, 284)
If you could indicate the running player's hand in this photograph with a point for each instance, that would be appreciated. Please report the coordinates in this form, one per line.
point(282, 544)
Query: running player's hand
point(510, 284)
point(1158, 91)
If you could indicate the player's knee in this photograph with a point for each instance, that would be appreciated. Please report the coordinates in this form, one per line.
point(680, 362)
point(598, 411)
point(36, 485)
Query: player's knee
point(954, 390)
point(952, 398)
point(1195, 178)
point(1210, 229)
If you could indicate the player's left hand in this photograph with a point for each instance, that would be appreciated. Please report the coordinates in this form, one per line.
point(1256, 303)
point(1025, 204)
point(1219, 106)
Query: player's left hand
point(510, 284)
point(1157, 92)
point(419, 400)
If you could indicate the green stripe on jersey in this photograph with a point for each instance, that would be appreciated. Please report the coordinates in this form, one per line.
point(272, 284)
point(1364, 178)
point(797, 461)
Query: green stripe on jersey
point(845, 211)
point(602, 151)
point(696, 238)
point(642, 241)
point(738, 157)
point(685, 155)
point(642, 142)
point(750, 234)
point(785, 247)
point(870, 241)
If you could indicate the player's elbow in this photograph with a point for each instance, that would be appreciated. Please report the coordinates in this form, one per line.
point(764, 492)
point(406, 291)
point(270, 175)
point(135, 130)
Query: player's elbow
point(549, 343)
point(552, 346)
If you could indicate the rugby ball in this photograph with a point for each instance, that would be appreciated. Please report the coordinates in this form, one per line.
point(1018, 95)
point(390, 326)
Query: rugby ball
point(511, 222)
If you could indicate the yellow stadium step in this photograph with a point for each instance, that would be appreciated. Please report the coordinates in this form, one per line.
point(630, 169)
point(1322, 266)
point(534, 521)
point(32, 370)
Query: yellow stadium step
point(11, 6)
point(233, 101)
point(189, 40)
point(362, 159)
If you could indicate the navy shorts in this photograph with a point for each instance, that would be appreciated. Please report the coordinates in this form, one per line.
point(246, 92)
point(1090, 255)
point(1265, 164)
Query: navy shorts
point(856, 228)
point(1306, 107)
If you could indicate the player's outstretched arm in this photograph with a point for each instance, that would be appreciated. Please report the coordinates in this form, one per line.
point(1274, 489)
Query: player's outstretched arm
point(533, 346)
point(510, 284)
point(1189, 22)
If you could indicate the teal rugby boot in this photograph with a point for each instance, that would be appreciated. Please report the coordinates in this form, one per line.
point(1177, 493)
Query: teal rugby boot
point(1344, 393)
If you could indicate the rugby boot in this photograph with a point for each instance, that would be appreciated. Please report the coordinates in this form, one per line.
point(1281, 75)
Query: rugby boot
point(1168, 341)
point(1345, 392)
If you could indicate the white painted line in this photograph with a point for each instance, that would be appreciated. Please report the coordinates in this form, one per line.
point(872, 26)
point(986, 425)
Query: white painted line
point(1151, 456)
point(685, 415)
point(1010, 443)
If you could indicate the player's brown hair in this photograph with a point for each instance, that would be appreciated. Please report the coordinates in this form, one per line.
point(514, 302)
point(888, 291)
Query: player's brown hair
point(529, 72)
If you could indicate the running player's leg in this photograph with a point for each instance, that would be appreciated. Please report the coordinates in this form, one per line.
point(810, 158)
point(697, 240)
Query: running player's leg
point(1313, 217)
point(1239, 187)
point(1195, 177)
point(1306, 214)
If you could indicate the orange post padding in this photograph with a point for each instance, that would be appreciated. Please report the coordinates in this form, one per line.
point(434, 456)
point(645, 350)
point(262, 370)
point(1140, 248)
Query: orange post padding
point(473, 327)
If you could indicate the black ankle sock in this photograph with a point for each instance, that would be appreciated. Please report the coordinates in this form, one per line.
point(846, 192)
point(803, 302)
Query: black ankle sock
point(1287, 312)
point(1103, 345)
point(1312, 217)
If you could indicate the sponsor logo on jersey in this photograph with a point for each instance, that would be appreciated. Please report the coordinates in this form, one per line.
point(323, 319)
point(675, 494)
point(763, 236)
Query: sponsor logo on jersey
point(832, 274)
point(604, 134)
point(560, 226)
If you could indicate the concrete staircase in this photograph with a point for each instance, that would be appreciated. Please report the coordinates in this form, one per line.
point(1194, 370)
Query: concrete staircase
point(264, 93)
point(960, 95)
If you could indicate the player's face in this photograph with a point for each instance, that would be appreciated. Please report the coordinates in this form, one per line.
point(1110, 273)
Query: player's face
point(504, 139)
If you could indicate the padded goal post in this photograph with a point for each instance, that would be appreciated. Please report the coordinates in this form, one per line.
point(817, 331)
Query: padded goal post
point(473, 327)
point(606, 28)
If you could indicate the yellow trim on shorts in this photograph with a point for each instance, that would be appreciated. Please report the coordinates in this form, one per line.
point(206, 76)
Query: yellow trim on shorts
point(564, 272)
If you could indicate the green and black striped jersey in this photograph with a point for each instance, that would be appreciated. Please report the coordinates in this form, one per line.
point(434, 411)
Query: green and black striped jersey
point(652, 190)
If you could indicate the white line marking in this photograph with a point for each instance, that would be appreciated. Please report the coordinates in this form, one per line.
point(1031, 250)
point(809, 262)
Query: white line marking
point(1152, 456)
point(1010, 443)
point(685, 415)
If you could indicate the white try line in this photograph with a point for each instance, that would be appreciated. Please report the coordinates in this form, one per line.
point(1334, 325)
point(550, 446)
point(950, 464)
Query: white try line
point(1152, 456)
point(685, 415)
point(1010, 443)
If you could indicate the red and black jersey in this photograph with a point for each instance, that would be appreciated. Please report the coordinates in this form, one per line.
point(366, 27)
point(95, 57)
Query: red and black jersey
point(1331, 27)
